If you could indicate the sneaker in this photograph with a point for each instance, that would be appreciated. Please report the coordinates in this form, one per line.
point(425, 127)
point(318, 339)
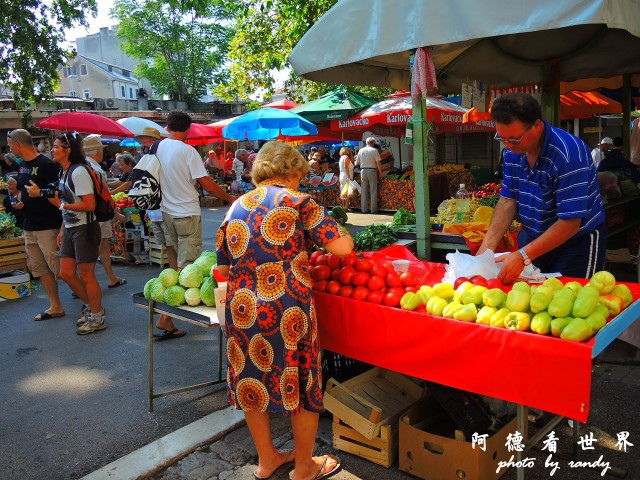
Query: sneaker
point(86, 313)
point(93, 324)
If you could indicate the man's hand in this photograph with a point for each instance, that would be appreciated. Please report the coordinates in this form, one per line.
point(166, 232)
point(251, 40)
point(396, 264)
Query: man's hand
point(33, 189)
point(512, 266)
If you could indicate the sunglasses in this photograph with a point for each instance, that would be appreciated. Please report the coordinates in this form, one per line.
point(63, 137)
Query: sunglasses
point(513, 141)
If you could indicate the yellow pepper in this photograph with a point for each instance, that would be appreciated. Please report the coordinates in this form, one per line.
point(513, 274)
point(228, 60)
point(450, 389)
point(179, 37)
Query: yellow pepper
point(518, 321)
point(463, 287)
point(467, 313)
point(518, 300)
point(522, 287)
point(494, 297)
point(410, 301)
point(597, 321)
point(541, 298)
point(603, 281)
point(558, 324)
point(450, 309)
point(613, 304)
point(474, 295)
point(443, 290)
point(575, 286)
point(425, 292)
point(578, 330)
point(541, 323)
point(562, 303)
point(624, 293)
point(586, 302)
point(485, 314)
point(497, 319)
point(553, 283)
point(435, 305)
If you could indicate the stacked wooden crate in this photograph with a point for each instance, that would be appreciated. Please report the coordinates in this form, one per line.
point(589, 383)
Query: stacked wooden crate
point(157, 252)
point(12, 254)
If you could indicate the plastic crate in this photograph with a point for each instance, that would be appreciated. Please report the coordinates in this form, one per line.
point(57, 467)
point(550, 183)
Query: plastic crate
point(341, 367)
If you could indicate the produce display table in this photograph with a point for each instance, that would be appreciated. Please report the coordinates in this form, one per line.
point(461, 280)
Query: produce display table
point(202, 316)
point(396, 194)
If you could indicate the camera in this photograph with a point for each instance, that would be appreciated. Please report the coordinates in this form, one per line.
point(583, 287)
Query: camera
point(13, 199)
point(50, 190)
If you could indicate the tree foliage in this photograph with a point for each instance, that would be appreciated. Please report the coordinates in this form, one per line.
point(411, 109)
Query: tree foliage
point(31, 44)
point(265, 33)
point(181, 45)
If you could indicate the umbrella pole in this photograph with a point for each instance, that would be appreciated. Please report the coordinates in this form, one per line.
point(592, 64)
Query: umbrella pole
point(421, 169)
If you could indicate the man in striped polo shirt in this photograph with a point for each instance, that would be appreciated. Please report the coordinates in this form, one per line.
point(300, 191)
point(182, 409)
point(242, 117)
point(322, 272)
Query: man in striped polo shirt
point(550, 185)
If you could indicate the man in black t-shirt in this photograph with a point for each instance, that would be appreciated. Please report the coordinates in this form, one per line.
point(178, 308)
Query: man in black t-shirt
point(42, 220)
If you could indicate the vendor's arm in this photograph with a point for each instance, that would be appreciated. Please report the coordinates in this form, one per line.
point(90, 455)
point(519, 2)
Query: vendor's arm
point(561, 231)
point(503, 216)
point(123, 187)
point(224, 270)
point(340, 247)
point(216, 190)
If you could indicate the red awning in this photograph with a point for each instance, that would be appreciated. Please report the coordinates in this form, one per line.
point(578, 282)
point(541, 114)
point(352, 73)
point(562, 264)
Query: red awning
point(586, 104)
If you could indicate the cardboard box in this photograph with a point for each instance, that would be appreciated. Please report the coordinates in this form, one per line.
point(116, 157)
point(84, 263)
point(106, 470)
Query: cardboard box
point(375, 398)
point(12, 254)
point(133, 240)
point(429, 450)
point(14, 284)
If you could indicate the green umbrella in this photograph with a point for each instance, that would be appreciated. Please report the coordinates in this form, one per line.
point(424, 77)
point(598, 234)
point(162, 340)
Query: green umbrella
point(337, 104)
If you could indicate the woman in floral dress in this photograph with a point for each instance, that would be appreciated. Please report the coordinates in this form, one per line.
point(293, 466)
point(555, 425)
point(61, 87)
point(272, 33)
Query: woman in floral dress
point(273, 353)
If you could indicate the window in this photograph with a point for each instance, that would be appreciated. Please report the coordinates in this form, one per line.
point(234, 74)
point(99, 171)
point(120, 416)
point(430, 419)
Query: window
point(123, 92)
point(83, 69)
point(73, 94)
point(130, 92)
point(86, 93)
point(126, 73)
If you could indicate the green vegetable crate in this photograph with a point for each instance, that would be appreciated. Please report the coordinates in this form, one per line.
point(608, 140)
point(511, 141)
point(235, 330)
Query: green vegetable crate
point(12, 254)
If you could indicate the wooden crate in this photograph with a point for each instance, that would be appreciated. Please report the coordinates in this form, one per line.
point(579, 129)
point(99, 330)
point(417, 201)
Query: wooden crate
point(12, 254)
point(370, 400)
point(382, 449)
point(210, 202)
point(157, 252)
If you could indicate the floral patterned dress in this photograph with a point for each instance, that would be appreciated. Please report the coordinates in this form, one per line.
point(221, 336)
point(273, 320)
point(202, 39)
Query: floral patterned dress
point(272, 336)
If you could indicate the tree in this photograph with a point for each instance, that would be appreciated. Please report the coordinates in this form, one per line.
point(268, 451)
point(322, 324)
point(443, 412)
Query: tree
point(181, 45)
point(31, 45)
point(279, 24)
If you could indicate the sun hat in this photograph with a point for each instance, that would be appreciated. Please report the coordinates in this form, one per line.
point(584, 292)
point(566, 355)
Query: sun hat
point(92, 143)
point(606, 140)
point(149, 132)
point(317, 156)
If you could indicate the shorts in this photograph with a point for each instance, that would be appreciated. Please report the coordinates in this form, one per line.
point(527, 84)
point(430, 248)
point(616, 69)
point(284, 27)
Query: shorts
point(161, 237)
point(81, 243)
point(185, 234)
point(41, 247)
point(105, 230)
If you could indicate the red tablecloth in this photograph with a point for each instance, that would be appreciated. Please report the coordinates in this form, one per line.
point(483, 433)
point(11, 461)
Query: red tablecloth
point(530, 369)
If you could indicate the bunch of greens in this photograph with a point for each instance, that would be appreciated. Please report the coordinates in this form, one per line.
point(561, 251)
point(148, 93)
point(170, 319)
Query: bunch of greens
point(490, 201)
point(8, 228)
point(404, 217)
point(374, 237)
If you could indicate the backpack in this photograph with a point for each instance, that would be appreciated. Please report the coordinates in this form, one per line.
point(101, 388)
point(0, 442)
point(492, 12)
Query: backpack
point(105, 205)
point(145, 181)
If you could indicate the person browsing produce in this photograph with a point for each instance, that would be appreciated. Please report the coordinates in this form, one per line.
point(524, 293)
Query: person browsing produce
point(273, 350)
point(550, 183)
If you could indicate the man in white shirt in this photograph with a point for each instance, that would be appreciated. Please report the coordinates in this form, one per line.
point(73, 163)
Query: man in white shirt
point(601, 150)
point(181, 169)
point(94, 153)
point(370, 164)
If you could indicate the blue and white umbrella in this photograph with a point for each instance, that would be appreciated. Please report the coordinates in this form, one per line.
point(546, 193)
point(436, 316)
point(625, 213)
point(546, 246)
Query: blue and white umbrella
point(268, 123)
point(129, 142)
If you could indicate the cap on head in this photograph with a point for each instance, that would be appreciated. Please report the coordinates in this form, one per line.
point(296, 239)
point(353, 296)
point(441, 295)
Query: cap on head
point(317, 156)
point(92, 143)
point(149, 132)
point(606, 141)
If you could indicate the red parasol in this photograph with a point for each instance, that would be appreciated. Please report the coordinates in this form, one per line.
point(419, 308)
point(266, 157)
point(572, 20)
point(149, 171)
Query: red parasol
point(84, 122)
point(284, 104)
point(201, 134)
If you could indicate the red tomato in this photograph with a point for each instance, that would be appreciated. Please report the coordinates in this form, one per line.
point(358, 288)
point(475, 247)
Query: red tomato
point(388, 266)
point(361, 278)
point(375, 296)
point(333, 261)
point(347, 274)
point(478, 280)
point(378, 270)
point(421, 308)
point(321, 272)
point(459, 281)
point(413, 289)
point(349, 261)
point(392, 299)
point(397, 290)
point(495, 283)
point(376, 282)
point(335, 275)
point(360, 293)
point(408, 279)
point(321, 259)
point(364, 265)
point(321, 286)
point(392, 279)
point(333, 287)
point(346, 291)
point(314, 256)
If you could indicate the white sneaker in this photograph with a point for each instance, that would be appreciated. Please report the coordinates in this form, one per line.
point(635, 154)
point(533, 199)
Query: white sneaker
point(95, 323)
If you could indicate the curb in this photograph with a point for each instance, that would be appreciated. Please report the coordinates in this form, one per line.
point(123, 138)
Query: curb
point(167, 450)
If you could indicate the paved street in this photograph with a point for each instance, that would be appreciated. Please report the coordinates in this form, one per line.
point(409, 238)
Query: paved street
point(75, 404)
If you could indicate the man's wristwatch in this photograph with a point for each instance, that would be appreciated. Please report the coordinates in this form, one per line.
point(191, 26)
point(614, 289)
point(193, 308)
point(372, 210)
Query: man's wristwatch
point(61, 208)
point(525, 257)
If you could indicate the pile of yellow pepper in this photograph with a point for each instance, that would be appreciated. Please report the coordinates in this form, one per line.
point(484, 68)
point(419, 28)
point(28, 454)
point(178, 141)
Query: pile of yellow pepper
point(570, 311)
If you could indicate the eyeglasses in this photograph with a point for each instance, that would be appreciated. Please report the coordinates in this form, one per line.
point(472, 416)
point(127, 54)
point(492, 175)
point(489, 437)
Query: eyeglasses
point(66, 137)
point(513, 141)
point(9, 134)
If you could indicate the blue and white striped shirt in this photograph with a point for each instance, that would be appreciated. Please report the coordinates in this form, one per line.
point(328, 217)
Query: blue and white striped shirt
point(562, 184)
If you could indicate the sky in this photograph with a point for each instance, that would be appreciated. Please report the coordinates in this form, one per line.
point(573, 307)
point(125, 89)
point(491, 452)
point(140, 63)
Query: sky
point(102, 20)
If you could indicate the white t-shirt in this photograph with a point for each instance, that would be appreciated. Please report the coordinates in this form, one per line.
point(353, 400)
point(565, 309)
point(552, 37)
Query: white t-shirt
point(83, 185)
point(597, 156)
point(181, 167)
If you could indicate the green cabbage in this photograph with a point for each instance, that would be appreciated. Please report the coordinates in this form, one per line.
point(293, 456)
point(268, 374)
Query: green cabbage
point(174, 296)
point(148, 286)
point(168, 277)
point(192, 297)
point(157, 291)
point(191, 276)
point(207, 291)
point(206, 262)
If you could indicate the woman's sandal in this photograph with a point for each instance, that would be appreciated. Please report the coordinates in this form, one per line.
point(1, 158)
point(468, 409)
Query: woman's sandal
point(319, 474)
point(291, 456)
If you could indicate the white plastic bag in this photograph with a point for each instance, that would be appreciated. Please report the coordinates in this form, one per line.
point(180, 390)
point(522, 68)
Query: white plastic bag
point(465, 265)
